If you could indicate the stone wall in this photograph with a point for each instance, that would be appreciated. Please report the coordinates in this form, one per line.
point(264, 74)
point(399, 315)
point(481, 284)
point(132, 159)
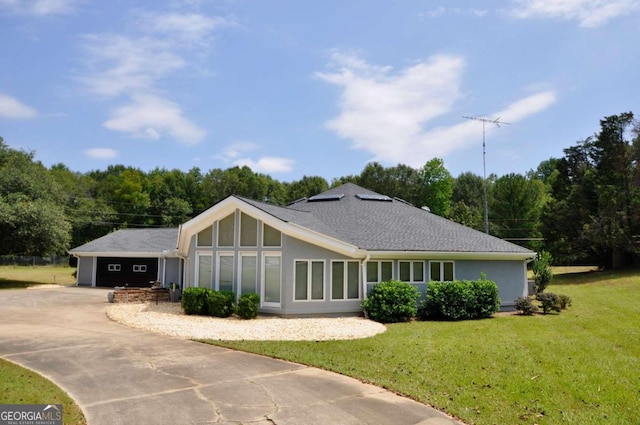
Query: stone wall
point(140, 295)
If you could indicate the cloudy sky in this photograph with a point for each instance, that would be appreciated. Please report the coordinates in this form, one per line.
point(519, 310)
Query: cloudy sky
point(292, 88)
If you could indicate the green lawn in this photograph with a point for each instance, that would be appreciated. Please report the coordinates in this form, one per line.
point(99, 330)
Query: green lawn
point(22, 386)
point(25, 276)
point(578, 367)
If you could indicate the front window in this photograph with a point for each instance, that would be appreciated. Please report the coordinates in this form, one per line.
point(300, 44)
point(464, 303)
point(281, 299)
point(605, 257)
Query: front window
point(226, 231)
point(441, 270)
point(271, 237)
point(411, 271)
point(379, 271)
point(309, 280)
point(248, 230)
point(271, 278)
point(345, 279)
point(205, 237)
point(225, 272)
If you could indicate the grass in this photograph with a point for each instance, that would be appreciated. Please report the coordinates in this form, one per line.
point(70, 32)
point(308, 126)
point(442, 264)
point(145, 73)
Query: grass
point(578, 367)
point(25, 276)
point(22, 386)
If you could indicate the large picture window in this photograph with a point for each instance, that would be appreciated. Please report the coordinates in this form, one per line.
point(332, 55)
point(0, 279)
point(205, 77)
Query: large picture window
point(226, 231)
point(271, 278)
point(248, 230)
point(309, 280)
point(225, 272)
point(345, 280)
point(248, 273)
point(441, 270)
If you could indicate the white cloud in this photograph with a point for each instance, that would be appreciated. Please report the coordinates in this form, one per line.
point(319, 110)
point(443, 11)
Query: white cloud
point(150, 117)
point(386, 113)
point(441, 11)
point(12, 108)
point(236, 150)
point(191, 28)
point(39, 7)
point(267, 164)
point(589, 13)
point(101, 153)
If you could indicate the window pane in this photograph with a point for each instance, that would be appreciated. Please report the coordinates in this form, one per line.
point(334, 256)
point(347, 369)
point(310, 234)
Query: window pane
point(405, 271)
point(226, 230)
point(372, 272)
point(248, 230)
point(448, 271)
point(272, 279)
point(225, 282)
point(353, 283)
point(337, 280)
point(249, 274)
point(418, 271)
point(205, 263)
point(205, 237)
point(434, 268)
point(387, 271)
point(317, 280)
point(271, 236)
point(301, 280)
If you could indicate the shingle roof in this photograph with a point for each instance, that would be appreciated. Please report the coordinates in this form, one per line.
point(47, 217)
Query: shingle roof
point(385, 225)
point(132, 241)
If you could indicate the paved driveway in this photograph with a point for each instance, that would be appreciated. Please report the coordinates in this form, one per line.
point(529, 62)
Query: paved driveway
point(120, 375)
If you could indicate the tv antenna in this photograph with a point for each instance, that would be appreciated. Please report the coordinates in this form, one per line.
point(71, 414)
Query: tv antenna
point(498, 123)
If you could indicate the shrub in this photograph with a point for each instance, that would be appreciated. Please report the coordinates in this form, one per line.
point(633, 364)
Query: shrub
point(247, 307)
point(564, 301)
point(549, 302)
point(461, 299)
point(220, 303)
point(392, 301)
point(542, 271)
point(194, 300)
point(526, 306)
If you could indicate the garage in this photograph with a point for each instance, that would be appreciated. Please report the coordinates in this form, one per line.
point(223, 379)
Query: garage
point(121, 271)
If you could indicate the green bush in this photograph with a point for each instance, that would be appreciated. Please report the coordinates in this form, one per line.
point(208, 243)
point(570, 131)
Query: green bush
point(525, 306)
point(194, 300)
point(542, 272)
point(549, 302)
point(564, 301)
point(391, 302)
point(247, 307)
point(461, 299)
point(220, 303)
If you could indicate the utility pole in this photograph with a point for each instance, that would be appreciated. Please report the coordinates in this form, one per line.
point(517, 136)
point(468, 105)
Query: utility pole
point(484, 163)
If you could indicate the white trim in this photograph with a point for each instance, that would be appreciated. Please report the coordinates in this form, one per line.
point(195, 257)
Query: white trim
point(128, 254)
point(379, 277)
point(431, 255)
point(412, 278)
point(94, 275)
point(309, 280)
point(442, 262)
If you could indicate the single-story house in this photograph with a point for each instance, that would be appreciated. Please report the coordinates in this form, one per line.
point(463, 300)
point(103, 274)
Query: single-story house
point(317, 255)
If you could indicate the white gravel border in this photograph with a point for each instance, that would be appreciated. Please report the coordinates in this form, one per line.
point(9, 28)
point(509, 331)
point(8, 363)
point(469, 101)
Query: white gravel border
point(168, 319)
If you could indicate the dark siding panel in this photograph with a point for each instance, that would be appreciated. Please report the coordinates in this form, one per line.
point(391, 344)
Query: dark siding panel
point(120, 271)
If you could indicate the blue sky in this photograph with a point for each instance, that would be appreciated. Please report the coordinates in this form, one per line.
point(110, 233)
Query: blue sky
point(293, 88)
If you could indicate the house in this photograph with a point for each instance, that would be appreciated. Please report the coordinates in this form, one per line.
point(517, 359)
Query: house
point(321, 255)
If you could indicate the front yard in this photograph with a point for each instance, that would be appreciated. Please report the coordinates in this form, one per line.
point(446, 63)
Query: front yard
point(579, 367)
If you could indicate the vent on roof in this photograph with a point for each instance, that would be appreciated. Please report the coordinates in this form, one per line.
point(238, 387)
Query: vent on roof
point(322, 198)
point(367, 197)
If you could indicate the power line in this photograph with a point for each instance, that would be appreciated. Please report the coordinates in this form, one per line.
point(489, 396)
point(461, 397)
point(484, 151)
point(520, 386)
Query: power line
point(484, 163)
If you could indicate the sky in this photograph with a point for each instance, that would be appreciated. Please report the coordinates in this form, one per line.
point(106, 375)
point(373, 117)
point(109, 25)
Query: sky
point(315, 88)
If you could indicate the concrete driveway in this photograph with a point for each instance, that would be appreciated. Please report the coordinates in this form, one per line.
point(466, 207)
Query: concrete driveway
point(120, 375)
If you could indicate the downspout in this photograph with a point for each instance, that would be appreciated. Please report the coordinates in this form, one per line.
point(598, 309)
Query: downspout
point(526, 279)
point(364, 278)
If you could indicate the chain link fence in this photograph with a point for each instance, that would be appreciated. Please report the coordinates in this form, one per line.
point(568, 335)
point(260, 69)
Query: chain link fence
point(32, 260)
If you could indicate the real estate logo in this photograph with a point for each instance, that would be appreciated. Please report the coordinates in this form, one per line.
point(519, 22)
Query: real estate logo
point(30, 414)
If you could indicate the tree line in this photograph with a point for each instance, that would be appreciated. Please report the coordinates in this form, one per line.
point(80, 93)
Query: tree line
point(584, 208)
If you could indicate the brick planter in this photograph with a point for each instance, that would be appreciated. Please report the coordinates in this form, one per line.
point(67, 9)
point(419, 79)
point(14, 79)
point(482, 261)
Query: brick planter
point(141, 295)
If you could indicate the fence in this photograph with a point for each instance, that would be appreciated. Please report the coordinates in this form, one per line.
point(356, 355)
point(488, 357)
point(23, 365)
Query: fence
point(32, 260)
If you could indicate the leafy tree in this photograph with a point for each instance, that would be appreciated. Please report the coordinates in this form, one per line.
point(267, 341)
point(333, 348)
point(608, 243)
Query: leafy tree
point(542, 272)
point(467, 201)
point(437, 187)
point(305, 187)
point(32, 216)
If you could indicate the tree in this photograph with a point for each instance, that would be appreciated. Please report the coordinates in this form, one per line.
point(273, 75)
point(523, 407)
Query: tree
point(437, 187)
point(305, 187)
point(542, 272)
point(32, 216)
point(467, 201)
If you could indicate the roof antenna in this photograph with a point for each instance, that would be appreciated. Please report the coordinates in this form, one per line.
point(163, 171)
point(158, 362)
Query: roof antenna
point(497, 122)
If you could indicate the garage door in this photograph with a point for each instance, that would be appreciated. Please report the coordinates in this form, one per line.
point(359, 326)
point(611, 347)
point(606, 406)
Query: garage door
point(126, 271)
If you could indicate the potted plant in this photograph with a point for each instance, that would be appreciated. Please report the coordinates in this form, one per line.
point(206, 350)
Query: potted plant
point(174, 292)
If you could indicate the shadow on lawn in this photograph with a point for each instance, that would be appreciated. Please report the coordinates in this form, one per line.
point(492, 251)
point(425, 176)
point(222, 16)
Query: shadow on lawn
point(17, 284)
point(596, 276)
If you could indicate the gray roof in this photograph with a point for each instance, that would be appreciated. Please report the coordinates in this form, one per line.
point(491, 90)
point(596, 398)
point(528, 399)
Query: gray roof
point(384, 225)
point(132, 241)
